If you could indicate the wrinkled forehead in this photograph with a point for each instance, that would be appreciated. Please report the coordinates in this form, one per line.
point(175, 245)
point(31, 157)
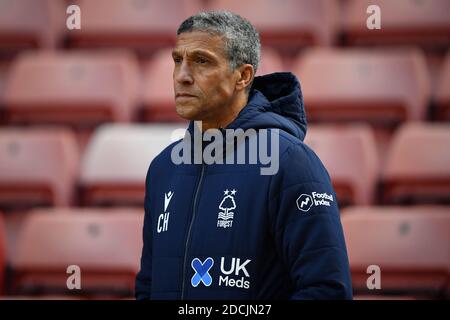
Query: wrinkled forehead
point(199, 41)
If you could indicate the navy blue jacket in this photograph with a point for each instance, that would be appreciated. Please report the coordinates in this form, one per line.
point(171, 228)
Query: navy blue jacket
point(225, 231)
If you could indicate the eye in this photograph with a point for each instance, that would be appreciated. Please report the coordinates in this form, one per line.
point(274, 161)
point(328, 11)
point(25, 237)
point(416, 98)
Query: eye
point(201, 60)
point(177, 60)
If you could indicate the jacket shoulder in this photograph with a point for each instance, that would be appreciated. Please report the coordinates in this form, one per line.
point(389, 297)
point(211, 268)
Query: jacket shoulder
point(298, 162)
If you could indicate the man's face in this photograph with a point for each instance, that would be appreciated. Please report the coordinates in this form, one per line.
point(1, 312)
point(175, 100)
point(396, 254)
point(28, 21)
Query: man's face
point(203, 82)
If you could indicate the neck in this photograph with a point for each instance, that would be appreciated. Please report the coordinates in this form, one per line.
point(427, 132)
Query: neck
point(224, 119)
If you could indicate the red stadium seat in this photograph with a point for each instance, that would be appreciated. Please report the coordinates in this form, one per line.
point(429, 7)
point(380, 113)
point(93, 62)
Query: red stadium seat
point(81, 89)
point(105, 244)
point(424, 22)
point(382, 87)
point(417, 168)
point(290, 23)
point(410, 245)
point(443, 92)
point(116, 161)
point(350, 156)
point(26, 24)
point(142, 25)
point(37, 167)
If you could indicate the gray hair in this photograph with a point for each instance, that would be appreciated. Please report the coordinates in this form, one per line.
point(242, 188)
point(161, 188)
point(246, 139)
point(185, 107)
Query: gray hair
point(242, 44)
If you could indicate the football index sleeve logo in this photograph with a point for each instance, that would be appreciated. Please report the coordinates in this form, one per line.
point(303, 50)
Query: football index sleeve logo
point(202, 271)
point(304, 202)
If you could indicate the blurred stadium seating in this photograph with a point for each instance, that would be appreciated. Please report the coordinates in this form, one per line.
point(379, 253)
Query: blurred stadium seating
point(105, 243)
point(404, 22)
point(30, 24)
point(410, 245)
point(418, 165)
point(73, 88)
point(112, 80)
point(140, 25)
point(121, 181)
point(383, 87)
point(349, 153)
point(443, 92)
point(38, 166)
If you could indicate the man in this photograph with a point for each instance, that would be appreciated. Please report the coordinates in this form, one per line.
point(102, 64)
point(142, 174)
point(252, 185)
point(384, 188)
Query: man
point(227, 231)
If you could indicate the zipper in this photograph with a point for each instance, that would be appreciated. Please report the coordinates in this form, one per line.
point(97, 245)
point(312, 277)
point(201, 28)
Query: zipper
point(190, 228)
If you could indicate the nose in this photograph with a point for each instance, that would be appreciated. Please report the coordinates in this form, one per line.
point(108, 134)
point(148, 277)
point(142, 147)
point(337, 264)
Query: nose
point(182, 74)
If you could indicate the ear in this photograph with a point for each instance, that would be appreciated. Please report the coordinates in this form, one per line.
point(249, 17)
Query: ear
point(245, 75)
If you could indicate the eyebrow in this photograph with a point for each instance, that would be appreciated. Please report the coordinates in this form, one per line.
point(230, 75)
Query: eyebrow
point(196, 52)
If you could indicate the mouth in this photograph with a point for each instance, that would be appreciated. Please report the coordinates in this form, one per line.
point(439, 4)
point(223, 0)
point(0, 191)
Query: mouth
point(184, 95)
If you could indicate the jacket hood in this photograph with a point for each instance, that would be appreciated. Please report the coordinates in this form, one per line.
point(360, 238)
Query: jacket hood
point(275, 101)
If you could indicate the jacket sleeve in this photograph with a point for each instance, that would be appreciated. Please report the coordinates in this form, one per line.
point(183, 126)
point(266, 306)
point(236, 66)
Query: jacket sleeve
point(144, 276)
point(307, 229)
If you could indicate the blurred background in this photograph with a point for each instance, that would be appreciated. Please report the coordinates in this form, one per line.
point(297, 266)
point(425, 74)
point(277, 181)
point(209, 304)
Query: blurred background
point(83, 113)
